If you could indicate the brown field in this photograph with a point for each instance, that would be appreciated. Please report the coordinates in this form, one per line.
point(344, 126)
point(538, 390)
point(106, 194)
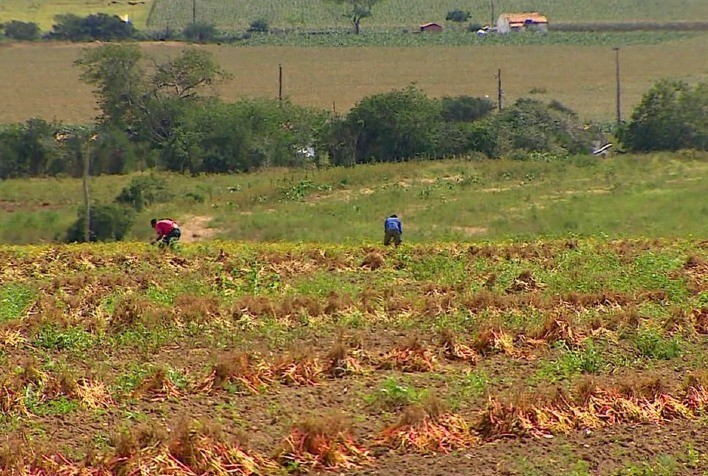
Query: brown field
point(40, 80)
point(557, 358)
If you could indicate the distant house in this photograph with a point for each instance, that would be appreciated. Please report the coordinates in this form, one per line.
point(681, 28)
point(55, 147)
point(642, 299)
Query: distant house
point(524, 21)
point(431, 27)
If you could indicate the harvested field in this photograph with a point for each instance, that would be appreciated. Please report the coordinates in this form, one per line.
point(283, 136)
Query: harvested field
point(40, 80)
point(550, 357)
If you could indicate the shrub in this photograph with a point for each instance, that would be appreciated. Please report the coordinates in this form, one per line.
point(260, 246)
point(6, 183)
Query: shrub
point(218, 137)
point(671, 116)
point(20, 30)
point(26, 149)
point(99, 26)
point(106, 222)
point(458, 16)
point(143, 191)
point(259, 25)
point(200, 32)
point(531, 126)
point(465, 108)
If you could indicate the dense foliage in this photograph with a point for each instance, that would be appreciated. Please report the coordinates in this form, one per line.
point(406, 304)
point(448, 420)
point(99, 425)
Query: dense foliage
point(101, 26)
point(20, 30)
point(107, 222)
point(671, 116)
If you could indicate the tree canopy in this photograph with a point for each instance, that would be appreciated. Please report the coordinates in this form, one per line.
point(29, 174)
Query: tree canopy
point(356, 10)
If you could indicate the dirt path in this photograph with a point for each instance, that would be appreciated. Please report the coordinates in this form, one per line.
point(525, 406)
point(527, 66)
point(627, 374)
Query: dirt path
point(196, 228)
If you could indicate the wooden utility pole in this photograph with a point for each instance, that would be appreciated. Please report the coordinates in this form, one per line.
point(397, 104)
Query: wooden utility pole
point(617, 88)
point(280, 85)
point(87, 208)
point(194, 12)
point(499, 90)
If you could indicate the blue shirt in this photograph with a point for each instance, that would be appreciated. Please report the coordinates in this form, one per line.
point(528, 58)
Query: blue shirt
point(392, 223)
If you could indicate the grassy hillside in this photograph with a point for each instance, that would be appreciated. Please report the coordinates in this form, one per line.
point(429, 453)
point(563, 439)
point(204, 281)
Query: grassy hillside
point(658, 195)
point(40, 81)
point(411, 13)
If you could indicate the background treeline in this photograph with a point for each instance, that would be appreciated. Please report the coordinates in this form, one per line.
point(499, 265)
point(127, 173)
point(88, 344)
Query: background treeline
point(164, 115)
point(106, 27)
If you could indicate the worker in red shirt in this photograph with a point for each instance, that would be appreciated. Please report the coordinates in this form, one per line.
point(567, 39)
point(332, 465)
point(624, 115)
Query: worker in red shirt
point(168, 231)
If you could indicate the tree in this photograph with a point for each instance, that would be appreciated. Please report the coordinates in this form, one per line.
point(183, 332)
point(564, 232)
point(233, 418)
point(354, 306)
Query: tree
point(185, 76)
point(392, 126)
point(118, 74)
point(356, 10)
point(671, 116)
point(147, 105)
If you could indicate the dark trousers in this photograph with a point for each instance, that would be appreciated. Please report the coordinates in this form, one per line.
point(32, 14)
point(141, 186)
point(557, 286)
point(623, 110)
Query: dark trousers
point(172, 236)
point(394, 235)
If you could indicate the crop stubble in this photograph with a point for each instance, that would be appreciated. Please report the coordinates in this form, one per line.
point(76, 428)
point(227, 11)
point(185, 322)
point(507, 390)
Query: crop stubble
point(242, 348)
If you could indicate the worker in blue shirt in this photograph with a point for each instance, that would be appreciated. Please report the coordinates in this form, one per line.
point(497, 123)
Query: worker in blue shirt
point(392, 230)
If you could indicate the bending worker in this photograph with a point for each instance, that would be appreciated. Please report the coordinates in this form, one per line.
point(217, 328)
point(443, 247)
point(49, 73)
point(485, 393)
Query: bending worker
point(167, 230)
point(392, 230)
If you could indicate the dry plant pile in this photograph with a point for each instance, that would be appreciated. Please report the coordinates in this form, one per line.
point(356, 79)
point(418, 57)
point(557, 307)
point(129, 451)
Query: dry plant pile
point(121, 361)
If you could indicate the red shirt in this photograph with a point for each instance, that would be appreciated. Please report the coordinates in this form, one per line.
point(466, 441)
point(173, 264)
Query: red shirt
point(165, 227)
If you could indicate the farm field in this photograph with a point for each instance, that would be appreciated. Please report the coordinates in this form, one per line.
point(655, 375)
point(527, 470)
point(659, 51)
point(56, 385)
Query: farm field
point(554, 357)
point(659, 195)
point(411, 13)
point(304, 14)
point(40, 80)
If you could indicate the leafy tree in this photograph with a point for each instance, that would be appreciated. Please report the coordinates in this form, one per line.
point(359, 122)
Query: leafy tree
point(118, 74)
point(356, 10)
point(185, 76)
point(148, 106)
point(459, 16)
point(671, 116)
point(20, 30)
point(394, 126)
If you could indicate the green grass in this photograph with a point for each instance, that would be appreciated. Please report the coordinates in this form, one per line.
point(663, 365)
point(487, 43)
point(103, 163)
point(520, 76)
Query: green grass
point(391, 395)
point(449, 200)
point(15, 298)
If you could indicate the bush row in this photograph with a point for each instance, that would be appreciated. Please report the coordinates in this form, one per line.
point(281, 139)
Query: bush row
point(215, 137)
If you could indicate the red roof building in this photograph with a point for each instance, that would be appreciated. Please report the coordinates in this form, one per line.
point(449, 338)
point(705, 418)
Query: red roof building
point(431, 27)
point(508, 22)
